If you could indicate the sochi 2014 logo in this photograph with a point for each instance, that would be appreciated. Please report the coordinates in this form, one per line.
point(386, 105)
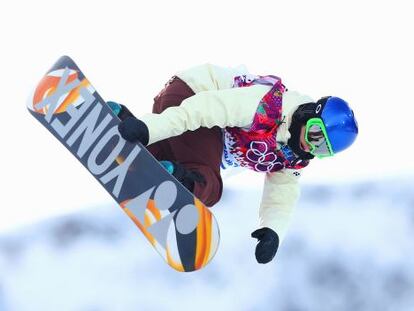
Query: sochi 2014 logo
point(263, 159)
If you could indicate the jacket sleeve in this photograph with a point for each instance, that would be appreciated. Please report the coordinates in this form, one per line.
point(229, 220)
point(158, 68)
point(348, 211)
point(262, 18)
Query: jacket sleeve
point(209, 77)
point(280, 194)
point(227, 107)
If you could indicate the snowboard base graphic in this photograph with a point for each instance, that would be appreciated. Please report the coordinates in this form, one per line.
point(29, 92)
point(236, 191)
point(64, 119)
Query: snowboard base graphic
point(178, 225)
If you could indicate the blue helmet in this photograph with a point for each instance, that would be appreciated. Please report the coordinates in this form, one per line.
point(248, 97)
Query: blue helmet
point(340, 123)
point(330, 127)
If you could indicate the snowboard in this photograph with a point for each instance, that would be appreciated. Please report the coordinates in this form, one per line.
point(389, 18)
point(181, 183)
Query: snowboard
point(177, 224)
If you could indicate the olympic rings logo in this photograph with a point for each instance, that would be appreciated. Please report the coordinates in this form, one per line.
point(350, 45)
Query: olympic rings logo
point(265, 161)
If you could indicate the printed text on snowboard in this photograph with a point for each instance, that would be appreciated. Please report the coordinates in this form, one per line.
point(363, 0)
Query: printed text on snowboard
point(86, 128)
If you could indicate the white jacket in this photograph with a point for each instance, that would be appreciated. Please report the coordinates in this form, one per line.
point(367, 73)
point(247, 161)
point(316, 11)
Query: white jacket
point(216, 103)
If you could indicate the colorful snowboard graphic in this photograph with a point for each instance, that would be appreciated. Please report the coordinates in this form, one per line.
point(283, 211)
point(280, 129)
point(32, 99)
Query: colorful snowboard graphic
point(176, 223)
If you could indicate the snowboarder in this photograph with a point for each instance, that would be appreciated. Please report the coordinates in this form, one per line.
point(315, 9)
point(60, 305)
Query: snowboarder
point(209, 118)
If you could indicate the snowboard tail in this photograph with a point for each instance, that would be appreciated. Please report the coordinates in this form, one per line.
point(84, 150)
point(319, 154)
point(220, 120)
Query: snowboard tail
point(178, 225)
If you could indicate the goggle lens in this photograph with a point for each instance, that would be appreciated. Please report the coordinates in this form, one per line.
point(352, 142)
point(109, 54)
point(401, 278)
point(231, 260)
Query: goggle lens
point(317, 138)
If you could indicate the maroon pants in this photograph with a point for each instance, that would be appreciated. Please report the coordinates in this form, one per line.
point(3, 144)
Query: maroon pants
point(200, 150)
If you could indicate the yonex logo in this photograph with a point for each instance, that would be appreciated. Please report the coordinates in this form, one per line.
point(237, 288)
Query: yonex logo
point(81, 123)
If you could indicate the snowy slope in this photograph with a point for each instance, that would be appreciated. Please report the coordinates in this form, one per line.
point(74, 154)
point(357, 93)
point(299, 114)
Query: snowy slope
point(350, 247)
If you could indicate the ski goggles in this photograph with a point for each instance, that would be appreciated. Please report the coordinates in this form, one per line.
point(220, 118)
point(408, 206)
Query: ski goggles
point(317, 138)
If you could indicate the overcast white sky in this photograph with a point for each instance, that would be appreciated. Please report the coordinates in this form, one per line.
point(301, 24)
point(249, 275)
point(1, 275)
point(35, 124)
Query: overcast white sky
point(359, 50)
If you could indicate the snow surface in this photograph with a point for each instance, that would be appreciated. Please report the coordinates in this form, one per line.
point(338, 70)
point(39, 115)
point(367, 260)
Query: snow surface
point(350, 247)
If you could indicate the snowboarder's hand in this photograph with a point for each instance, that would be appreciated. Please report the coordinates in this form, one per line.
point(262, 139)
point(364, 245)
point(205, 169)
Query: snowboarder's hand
point(187, 177)
point(134, 130)
point(120, 110)
point(124, 113)
point(267, 246)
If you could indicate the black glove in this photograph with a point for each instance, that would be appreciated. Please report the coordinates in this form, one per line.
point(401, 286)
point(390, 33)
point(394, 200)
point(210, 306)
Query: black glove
point(186, 177)
point(267, 246)
point(134, 130)
point(124, 113)
point(120, 110)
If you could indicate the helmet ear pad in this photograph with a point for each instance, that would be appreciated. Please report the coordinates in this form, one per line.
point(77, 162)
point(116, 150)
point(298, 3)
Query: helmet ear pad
point(302, 114)
point(299, 119)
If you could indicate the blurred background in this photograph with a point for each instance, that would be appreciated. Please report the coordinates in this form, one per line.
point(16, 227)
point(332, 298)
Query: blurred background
point(350, 245)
